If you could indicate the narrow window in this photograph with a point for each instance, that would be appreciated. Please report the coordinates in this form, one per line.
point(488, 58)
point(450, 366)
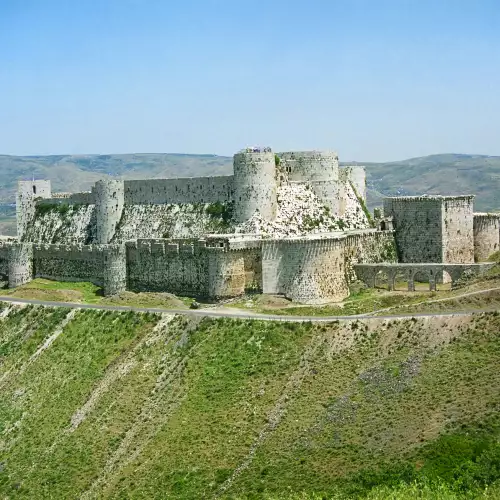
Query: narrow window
point(34, 189)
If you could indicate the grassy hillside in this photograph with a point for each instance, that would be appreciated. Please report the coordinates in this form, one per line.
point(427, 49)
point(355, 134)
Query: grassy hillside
point(439, 174)
point(122, 405)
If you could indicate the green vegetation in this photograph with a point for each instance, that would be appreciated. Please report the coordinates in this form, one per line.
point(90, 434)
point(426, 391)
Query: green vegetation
point(223, 211)
point(362, 203)
point(85, 292)
point(125, 405)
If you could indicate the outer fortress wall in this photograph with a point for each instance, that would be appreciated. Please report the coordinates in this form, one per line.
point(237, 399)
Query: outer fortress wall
point(255, 185)
point(183, 190)
point(20, 265)
point(458, 229)
point(418, 226)
point(486, 235)
point(314, 271)
point(103, 265)
point(4, 259)
point(165, 266)
point(320, 169)
point(185, 268)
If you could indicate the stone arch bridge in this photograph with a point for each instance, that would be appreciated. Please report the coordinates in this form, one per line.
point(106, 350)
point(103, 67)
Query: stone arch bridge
point(428, 271)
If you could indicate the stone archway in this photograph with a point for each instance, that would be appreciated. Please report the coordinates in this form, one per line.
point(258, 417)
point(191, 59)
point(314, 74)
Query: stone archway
point(382, 279)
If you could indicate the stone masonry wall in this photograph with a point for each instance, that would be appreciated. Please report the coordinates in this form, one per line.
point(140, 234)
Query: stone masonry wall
point(182, 190)
point(319, 169)
point(418, 227)
point(319, 270)
point(109, 201)
point(27, 194)
point(162, 266)
point(486, 235)
point(103, 265)
point(458, 233)
point(255, 186)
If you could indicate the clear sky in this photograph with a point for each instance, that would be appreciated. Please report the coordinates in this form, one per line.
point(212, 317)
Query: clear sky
point(373, 80)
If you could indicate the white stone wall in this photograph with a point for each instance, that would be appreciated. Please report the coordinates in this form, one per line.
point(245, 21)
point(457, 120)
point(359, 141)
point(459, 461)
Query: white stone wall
point(486, 235)
point(179, 191)
point(76, 226)
point(255, 186)
point(458, 229)
point(319, 169)
point(27, 194)
point(168, 221)
point(226, 273)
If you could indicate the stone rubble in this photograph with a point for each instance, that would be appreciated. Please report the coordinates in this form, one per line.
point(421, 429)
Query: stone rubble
point(300, 212)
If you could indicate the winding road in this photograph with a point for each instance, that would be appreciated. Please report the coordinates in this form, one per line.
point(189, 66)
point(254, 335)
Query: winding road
point(238, 314)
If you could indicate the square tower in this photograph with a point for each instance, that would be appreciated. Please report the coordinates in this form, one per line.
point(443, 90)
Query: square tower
point(433, 228)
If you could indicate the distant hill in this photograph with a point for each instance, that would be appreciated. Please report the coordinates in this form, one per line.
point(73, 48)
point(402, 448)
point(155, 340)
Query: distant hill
point(435, 174)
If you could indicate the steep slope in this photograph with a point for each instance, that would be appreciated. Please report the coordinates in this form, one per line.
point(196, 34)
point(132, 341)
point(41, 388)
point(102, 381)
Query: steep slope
point(121, 405)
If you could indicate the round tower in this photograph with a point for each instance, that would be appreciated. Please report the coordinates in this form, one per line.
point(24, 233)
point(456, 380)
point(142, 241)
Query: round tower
point(115, 270)
point(20, 264)
point(254, 185)
point(319, 169)
point(109, 200)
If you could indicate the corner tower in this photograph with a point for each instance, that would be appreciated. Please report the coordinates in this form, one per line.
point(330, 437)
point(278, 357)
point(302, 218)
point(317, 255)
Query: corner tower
point(27, 194)
point(254, 185)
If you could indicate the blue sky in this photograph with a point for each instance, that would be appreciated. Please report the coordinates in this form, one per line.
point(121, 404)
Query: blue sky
point(373, 80)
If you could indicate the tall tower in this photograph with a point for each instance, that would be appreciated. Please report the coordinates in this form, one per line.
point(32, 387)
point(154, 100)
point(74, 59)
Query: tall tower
point(254, 185)
point(27, 194)
point(319, 169)
point(109, 201)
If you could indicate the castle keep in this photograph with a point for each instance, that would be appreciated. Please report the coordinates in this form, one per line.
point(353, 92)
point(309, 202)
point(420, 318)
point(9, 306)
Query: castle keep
point(292, 223)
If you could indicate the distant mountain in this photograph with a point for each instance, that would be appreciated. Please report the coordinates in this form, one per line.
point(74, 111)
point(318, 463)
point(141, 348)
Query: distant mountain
point(438, 174)
point(435, 174)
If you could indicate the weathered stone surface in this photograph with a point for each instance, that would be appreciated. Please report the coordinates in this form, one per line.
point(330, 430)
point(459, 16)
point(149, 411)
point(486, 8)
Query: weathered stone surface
point(433, 228)
point(486, 235)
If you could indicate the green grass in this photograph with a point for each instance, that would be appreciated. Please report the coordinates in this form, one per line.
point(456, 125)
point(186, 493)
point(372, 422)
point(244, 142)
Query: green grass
point(125, 405)
point(85, 292)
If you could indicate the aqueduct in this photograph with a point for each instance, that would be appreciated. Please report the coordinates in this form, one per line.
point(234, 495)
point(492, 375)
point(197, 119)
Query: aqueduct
point(428, 271)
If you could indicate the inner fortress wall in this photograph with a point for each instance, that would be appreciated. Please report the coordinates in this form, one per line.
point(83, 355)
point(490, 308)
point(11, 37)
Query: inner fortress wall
point(458, 229)
point(486, 235)
point(319, 169)
point(179, 191)
point(418, 225)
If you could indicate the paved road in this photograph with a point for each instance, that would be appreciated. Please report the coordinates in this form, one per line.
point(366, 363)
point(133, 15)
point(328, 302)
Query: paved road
point(237, 315)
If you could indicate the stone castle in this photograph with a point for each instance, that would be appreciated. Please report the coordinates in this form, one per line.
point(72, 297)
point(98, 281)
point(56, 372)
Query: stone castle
point(291, 223)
